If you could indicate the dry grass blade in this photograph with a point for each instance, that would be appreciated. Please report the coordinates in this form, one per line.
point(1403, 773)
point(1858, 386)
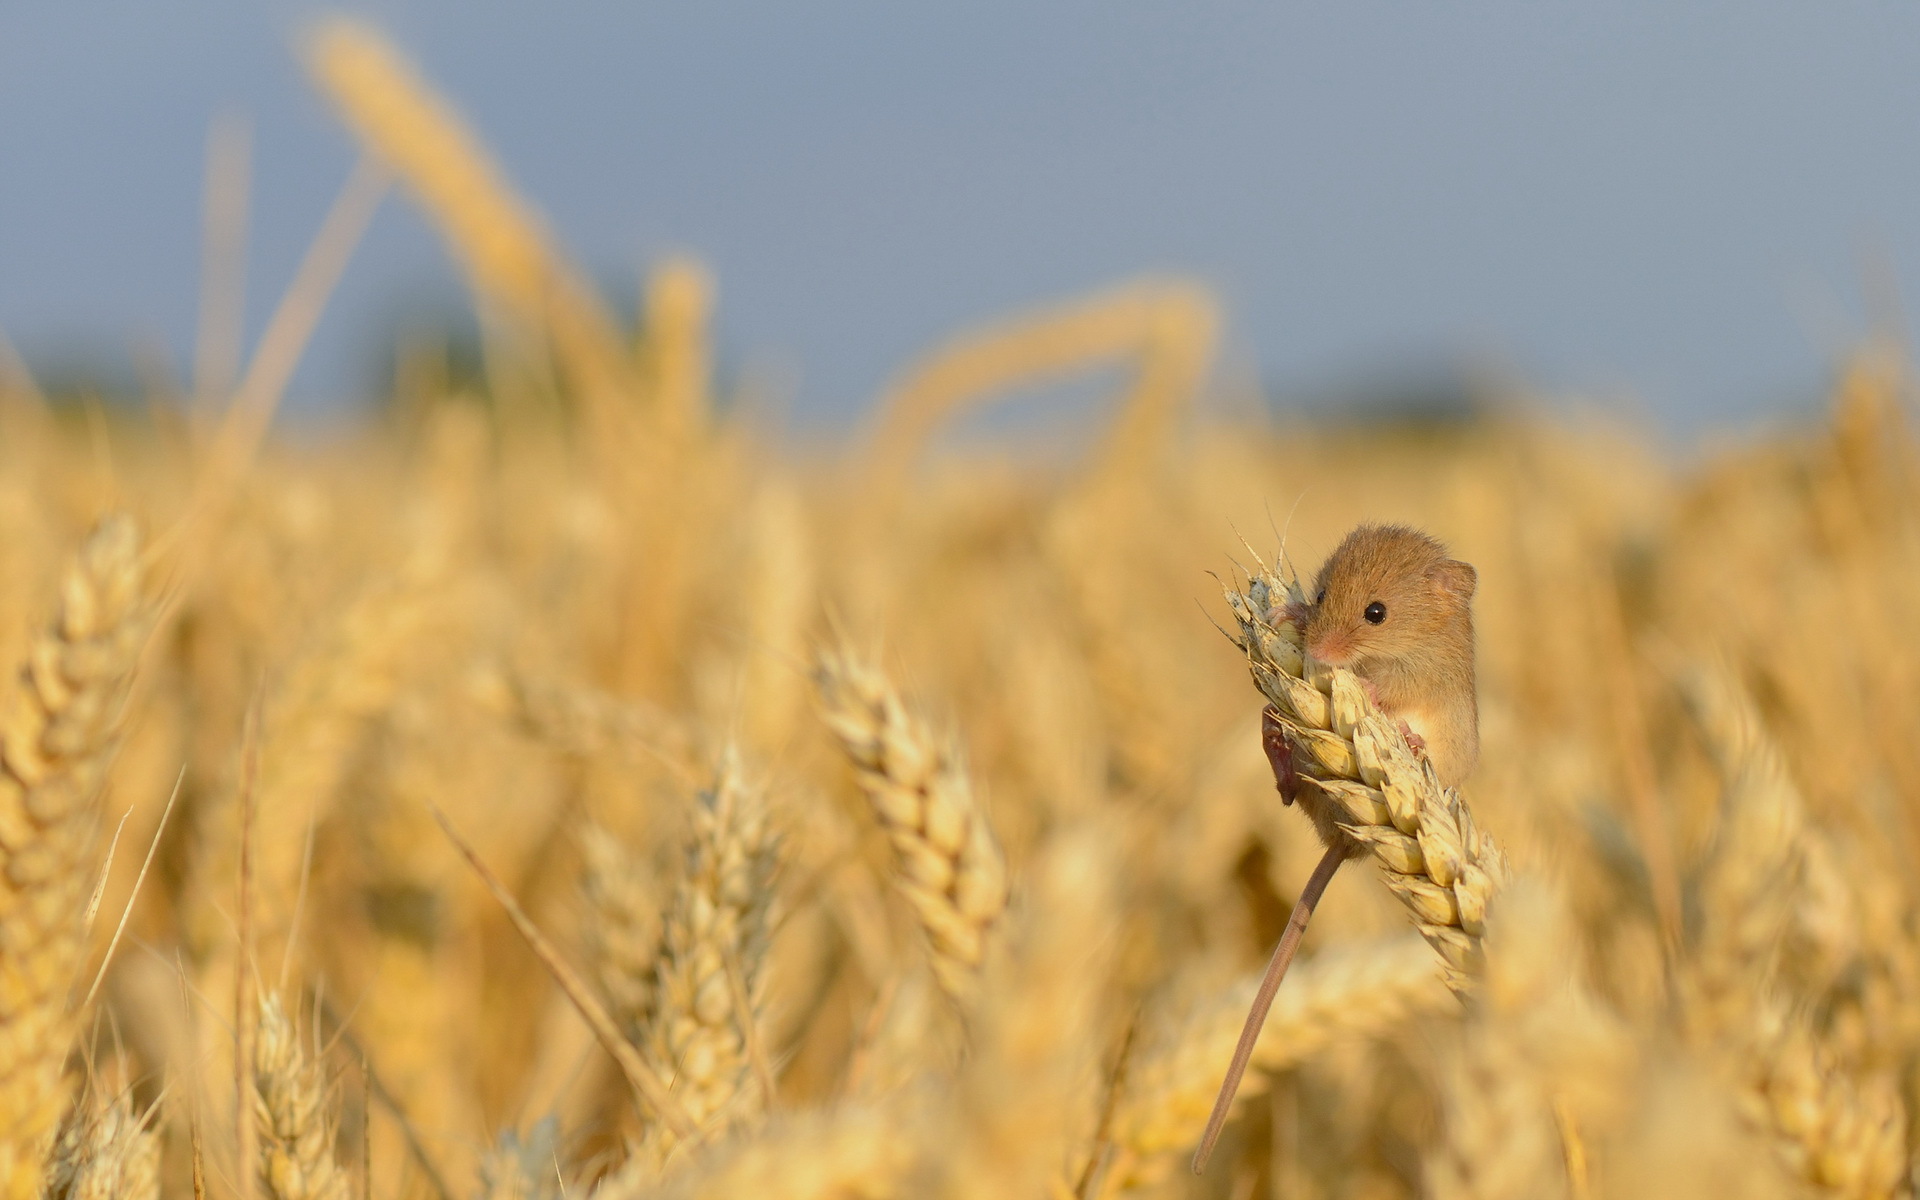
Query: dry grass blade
point(56, 740)
point(159, 829)
point(947, 864)
point(639, 1075)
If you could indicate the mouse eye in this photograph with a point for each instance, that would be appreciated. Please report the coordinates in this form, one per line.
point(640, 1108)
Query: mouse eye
point(1376, 613)
point(1321, 598)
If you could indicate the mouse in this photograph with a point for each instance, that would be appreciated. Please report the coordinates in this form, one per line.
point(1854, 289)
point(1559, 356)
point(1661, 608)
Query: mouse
point(1391, 606)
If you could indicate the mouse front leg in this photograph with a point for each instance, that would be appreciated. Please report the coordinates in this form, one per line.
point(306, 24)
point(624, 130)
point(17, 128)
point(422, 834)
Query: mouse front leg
point(1415, 742)
point(1273, 739)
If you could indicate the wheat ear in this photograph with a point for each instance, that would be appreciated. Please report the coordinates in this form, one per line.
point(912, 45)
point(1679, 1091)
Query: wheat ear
point(105, 1154)
point(623, 929)
point(522, 1168)
point(1537, 1059)
point(1360, 780)
point(1845, 1134)
point(1361, 992)
point(293, 1111)
point(695, 1032)
point(56, 740)
point(946, 861)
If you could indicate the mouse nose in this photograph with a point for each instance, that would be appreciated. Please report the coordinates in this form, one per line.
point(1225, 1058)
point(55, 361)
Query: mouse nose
point(1331, 649)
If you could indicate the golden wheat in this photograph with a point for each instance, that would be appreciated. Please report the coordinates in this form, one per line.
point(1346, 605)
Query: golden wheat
point(946, 862)
point(56, 743)
point(701, 1024)
point(538, 599)
point(105, 1152)
point(504, 246)
point(624, 926)
point(293, 1108)
point(1843, 1133)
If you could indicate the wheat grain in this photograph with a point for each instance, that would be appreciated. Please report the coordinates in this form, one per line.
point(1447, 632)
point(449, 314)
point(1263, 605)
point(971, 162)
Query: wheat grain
point(946, 862)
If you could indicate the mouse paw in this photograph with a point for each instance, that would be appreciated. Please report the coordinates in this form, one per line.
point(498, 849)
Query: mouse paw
point(1273, 739)
point(1296, 613)
point(1415, 742)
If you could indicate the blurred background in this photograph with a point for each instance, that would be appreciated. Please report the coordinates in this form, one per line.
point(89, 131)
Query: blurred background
point(1686, 212)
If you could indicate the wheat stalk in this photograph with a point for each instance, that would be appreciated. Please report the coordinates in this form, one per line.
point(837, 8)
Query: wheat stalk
point(1361, 781)
point(56, 740)
point(1169, 326)
point(946, 862)
point(293, 1110)
point(1364, 991)
point(504, 246)
point(676, 345)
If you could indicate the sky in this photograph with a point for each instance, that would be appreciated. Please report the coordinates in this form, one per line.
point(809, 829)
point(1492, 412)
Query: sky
point(1678, 206)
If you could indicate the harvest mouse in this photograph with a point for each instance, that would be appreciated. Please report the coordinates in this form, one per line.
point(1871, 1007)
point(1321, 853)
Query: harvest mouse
point(1391, 607)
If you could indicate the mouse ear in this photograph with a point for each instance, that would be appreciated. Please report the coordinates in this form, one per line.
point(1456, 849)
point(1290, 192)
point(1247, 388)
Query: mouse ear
point(1455, 578)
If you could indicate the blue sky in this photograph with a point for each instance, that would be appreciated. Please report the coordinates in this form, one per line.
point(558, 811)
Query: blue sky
point(1676, 202)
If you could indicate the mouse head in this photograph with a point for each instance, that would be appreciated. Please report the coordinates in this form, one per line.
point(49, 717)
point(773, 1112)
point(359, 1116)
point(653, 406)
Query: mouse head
point(1387, 593)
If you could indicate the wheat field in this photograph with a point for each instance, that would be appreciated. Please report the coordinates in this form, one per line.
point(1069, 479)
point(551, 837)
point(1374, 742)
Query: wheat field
point(558, 786)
